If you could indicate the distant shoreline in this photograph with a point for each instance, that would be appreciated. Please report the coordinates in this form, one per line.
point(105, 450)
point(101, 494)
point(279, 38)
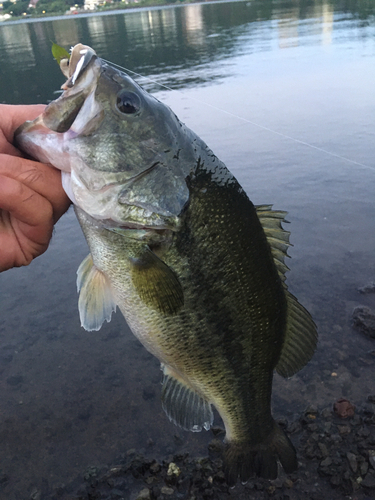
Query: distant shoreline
point(110, 10)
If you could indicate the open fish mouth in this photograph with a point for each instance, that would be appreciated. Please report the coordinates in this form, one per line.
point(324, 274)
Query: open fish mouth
point(100, 133)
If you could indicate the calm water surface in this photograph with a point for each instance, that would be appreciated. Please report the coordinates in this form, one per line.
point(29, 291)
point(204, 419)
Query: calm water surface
point(284, 95)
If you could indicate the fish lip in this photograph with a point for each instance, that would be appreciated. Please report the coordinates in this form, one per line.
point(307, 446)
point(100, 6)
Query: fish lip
point(25, 127)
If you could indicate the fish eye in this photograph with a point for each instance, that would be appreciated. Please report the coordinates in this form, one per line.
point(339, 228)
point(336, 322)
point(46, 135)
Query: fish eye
point(128, 102)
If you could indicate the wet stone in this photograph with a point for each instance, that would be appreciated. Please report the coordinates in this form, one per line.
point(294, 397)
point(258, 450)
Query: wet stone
point(117, 494)
point(144, 494)
point(364, 320)
point(370, 288)
point(363, 468)
point(326, 413)
point(323, 450)
point(352, 459)
point(369, 481)
point(167, 491)
point(344, 429)
point(371, 458)
point(326, 462)
point(343, 408)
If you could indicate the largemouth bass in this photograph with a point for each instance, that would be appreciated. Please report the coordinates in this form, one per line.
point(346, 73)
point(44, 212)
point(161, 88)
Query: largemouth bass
point(196, 269)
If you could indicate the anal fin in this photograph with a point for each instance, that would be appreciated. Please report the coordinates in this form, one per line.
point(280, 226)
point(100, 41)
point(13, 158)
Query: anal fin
point(96, 302)
point(183, 405)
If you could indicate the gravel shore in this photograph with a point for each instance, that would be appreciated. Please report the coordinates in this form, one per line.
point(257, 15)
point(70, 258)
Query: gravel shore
point(336, 450)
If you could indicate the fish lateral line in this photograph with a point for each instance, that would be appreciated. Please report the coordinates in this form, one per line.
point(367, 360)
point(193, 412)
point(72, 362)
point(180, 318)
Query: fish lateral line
point(246, 120)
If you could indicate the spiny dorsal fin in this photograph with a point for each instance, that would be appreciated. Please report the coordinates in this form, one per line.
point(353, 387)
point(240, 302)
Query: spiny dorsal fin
point(156, 283)
point(277, 237)
point(96, 302)
point(183, 405)
point(300, 338)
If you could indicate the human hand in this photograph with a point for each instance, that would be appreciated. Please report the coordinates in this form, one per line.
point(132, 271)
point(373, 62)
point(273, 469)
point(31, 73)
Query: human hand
point(31, 195)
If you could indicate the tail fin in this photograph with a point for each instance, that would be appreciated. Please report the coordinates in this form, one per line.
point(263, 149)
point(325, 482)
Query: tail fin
point(243, 460)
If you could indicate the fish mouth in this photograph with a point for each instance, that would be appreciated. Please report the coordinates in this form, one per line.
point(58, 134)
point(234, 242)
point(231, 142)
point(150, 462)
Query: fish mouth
point(133, 230)
point(78, 113)
point(82, 70)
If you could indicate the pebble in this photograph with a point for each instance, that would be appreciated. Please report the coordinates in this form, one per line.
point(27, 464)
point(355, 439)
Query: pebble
point(371, 458)
point(144, 494)
point(370, 288)
point(173, 470)
point(364, 320)
point(352, 459)
point(167, 491)
point(343, 408)
point(337, 460)
point(369, 481)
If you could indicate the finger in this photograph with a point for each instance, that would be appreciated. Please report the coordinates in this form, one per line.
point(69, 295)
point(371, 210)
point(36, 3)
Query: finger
point(24, 204)
point(12, 116)
point(41, 178)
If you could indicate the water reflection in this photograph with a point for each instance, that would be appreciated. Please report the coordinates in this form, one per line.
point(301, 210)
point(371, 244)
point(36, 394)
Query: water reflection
point(161, 41)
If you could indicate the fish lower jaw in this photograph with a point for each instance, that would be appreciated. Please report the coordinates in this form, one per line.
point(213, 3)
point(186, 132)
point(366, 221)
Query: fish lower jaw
point(66, 180)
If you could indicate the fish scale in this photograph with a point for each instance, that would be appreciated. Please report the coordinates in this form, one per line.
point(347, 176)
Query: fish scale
point(196, 269)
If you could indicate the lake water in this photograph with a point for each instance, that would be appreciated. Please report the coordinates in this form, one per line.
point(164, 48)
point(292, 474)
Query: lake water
point(284, 94)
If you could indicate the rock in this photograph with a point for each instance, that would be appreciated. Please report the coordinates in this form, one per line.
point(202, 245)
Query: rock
point(371, 458)
point(352, 459)
point(326, 413)
point(364, 320)
point(344, 429)
point(326, 462)
point(363, 468)
point(167, 491)
point(36, 495)
point(343, 408)
point(117, 494)
point(144, 494)
point(323, 450)
point(155, 467)
point(369, 481)
point(173, 470)
point(370, 288)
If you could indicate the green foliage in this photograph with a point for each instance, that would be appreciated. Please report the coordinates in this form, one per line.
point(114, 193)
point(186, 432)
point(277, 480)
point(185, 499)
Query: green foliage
point(61, 6)
point(16, 9)
point(59, 53)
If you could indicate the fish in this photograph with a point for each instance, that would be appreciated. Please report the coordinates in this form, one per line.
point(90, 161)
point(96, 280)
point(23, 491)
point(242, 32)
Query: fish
point(175, 243)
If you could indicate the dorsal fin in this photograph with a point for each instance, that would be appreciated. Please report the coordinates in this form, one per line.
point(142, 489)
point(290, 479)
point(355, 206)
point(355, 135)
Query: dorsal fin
point(183, 405)
point(277, 237)
point(300, 334)
point(300, 338)
point(96, 302)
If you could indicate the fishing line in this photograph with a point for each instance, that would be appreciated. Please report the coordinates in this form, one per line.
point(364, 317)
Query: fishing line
point(263, 127)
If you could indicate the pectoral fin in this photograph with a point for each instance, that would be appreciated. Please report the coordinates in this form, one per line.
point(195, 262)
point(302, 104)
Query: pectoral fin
point(183, 405)
point(156, 283)
point(96, 302)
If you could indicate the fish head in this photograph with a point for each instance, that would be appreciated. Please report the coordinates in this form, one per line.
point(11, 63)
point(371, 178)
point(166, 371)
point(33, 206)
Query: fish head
point(124, 155)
